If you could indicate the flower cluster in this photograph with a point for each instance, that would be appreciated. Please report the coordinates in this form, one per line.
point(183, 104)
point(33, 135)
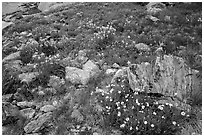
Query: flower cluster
point(134, 113)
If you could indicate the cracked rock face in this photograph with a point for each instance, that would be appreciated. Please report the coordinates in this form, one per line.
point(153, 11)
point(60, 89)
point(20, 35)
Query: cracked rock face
point(35, 125)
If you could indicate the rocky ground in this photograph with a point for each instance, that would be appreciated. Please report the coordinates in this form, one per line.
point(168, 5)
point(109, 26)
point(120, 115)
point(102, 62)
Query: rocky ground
point(102, 68)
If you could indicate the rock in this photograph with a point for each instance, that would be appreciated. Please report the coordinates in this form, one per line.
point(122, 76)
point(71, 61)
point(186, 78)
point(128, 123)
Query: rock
point(82, 76)
point(28, 77)
point(142, 47)
point(46, 6)
point(77, 76)
point(25, 104)
point(154, 7)
point(28, 112)
point(6, 24)
point(81, 58)
point(13, 56)
point(10, 110)
point(14, 66)
point(91, 68)
point(56, 82)
point(154, 19)
point(110, 71)
point(47, 108)
point(10, 7)
point(77, 115)
point(116, 66)
point(7, 98)
point(35, 125)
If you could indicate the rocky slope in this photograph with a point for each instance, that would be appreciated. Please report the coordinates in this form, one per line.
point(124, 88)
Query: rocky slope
point(102, 68)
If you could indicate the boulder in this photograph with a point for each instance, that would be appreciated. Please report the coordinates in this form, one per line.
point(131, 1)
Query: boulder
point(46, 6)
point(155, 7)
point(142, 47)
point(7, 98)
point(82, 76)
point(47, 108)
point(10, 110)
point(91, 68)
point(35, 125)
point(12, 56)
point(77, 115)
point(169, 76)
point(28, 77)
point(28, 112)
point(6, 24)
point(56, 82)
point(25, 104)
point(77, 76)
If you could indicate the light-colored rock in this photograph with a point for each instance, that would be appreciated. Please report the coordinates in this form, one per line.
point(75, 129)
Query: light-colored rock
point(56, 82)
point(46, 6)
point(28, 112)
point(6, 24)
point(91, 68)
point(7, 97)
point(13, 56)
point(25, 104)
point(154, 7)
point(47, 108)
point(116, 66)
point(28, 77)
point(77, 115)
point(35, 125)
point(82, 76)
point(77, 76)
point(142, 47)
point(10, 110)
point(110, 71)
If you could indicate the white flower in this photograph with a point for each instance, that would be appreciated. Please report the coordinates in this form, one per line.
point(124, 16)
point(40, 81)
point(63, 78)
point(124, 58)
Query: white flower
point(122, 126)
point(160, 107)
point(127, 119)
point(111, 99)
point(174, 123)
point(171, 105)
point(107, 97)
point(119, 91)
point(126, 100)
point(154, 113)
point(163, 117)
point(118, 107)
point(143, 107)
point(136, 128)
point(145, 122)
point(137, 101)
point(119, 113)
point(152, 125)
point(183, 113)
point(122, 103)
point(130, 128)
point(147, 104)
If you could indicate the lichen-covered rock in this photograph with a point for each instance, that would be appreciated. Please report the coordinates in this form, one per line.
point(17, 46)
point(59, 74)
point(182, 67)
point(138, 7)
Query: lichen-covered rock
point(77, 115)
point(35, 125)
point(28, 112)
point(91, 68)
point(154, 7)
point(25, 104)
point(142, 47)
point(169, 76)
point(13, 56)
point(82, 76)
point(77, 76)
point(28, 77)
point(7, 98)
point(56, 82)
point(47, 108)
point(10, 110)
